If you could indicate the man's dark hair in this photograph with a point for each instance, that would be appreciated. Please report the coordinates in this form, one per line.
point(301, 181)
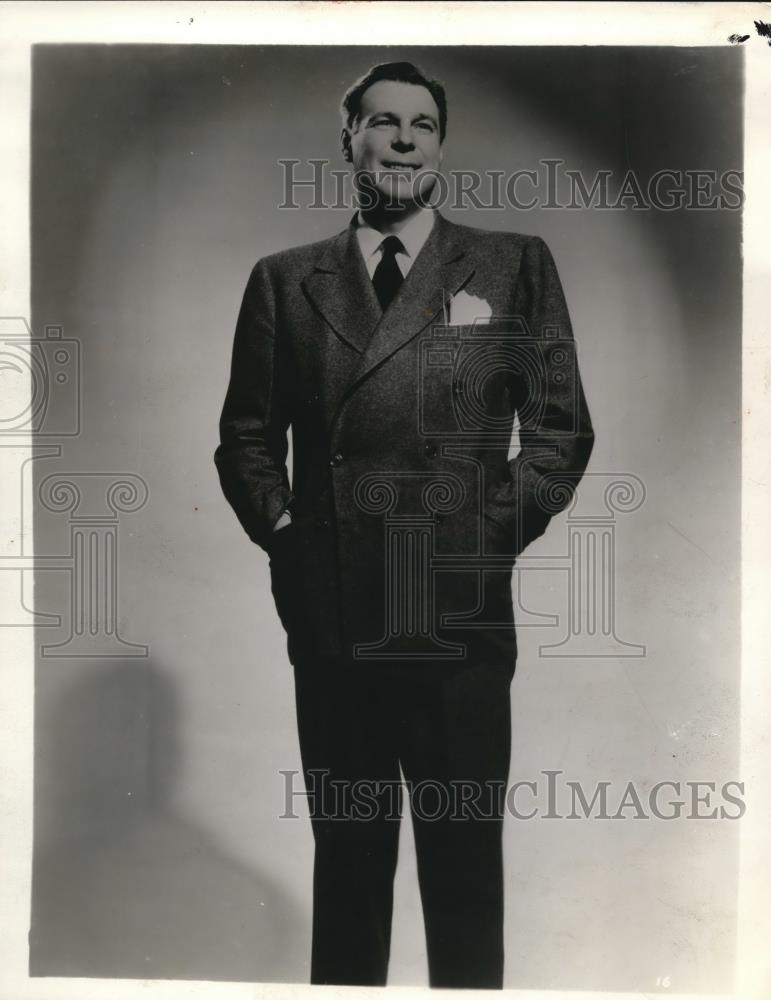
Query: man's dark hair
point(399, 72)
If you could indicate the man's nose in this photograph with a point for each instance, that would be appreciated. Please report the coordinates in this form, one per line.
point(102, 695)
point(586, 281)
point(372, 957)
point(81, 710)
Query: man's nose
point(403, 138)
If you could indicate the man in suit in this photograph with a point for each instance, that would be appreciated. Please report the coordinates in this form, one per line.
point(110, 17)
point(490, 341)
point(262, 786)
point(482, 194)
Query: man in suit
point(392, 547)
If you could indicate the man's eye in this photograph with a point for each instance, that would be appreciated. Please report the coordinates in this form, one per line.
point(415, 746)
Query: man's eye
point(382, 121)
point(425, 126)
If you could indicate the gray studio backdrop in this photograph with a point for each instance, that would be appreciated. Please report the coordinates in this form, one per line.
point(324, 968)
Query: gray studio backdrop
point(164, 698)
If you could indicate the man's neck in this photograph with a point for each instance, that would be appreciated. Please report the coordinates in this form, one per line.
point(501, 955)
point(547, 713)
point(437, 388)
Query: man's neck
point(389, 222)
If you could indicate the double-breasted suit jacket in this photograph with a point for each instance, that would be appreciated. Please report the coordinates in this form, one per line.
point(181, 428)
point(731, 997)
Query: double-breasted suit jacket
point(408, 511)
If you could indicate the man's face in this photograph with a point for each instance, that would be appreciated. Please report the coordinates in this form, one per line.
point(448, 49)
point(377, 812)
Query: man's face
point(395, 141)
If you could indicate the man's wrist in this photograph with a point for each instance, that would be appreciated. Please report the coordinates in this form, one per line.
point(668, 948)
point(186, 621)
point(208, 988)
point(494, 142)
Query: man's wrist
point(284, 520)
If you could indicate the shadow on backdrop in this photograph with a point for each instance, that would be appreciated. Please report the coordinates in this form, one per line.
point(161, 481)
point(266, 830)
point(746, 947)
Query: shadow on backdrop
point(122, 887)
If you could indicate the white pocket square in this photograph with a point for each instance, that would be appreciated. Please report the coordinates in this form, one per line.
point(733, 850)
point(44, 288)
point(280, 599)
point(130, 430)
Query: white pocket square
point(465, 309)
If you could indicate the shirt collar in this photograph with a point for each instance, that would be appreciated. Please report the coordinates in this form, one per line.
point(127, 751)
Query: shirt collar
point(413, 236)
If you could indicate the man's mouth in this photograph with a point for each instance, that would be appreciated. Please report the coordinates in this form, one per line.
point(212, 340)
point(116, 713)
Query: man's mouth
point(405, 168)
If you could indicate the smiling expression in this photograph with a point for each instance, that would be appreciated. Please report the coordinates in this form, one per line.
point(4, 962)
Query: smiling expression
point(394, 142)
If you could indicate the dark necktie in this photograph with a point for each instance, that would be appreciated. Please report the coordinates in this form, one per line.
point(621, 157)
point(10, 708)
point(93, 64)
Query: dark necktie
point(387, 277)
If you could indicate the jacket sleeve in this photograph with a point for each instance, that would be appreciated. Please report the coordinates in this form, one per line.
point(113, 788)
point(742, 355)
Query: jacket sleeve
point(555, 429)
point(251, 457)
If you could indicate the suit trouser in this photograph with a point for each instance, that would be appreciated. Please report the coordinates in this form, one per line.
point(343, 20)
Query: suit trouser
point(449, 727)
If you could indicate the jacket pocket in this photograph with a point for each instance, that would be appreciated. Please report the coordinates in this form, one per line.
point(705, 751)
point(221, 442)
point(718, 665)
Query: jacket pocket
point(285, 576)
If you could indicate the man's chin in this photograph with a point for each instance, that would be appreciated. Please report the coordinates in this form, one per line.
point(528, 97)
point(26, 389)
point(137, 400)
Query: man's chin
point(398, 192)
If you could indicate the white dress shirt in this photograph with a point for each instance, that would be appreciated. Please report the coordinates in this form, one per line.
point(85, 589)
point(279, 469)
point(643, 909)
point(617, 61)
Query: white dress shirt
point(413, 236)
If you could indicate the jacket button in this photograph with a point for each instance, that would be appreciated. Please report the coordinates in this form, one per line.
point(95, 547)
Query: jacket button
point(337, 459)
point(322, 522)
point(430, 450)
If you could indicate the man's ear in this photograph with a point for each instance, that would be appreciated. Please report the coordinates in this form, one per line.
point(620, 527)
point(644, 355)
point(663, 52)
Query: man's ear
point(345, 142)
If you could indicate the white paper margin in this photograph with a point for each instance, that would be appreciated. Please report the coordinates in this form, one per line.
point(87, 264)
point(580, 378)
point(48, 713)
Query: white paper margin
point(363, 23)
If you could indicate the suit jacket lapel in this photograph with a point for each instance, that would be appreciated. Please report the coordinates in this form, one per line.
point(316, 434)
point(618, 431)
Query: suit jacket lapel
point(341, 290)
point(440, 270)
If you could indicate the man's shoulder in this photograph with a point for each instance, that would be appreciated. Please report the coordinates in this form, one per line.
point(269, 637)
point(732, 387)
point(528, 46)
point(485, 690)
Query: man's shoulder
point(492, 240)
point(504, 251)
